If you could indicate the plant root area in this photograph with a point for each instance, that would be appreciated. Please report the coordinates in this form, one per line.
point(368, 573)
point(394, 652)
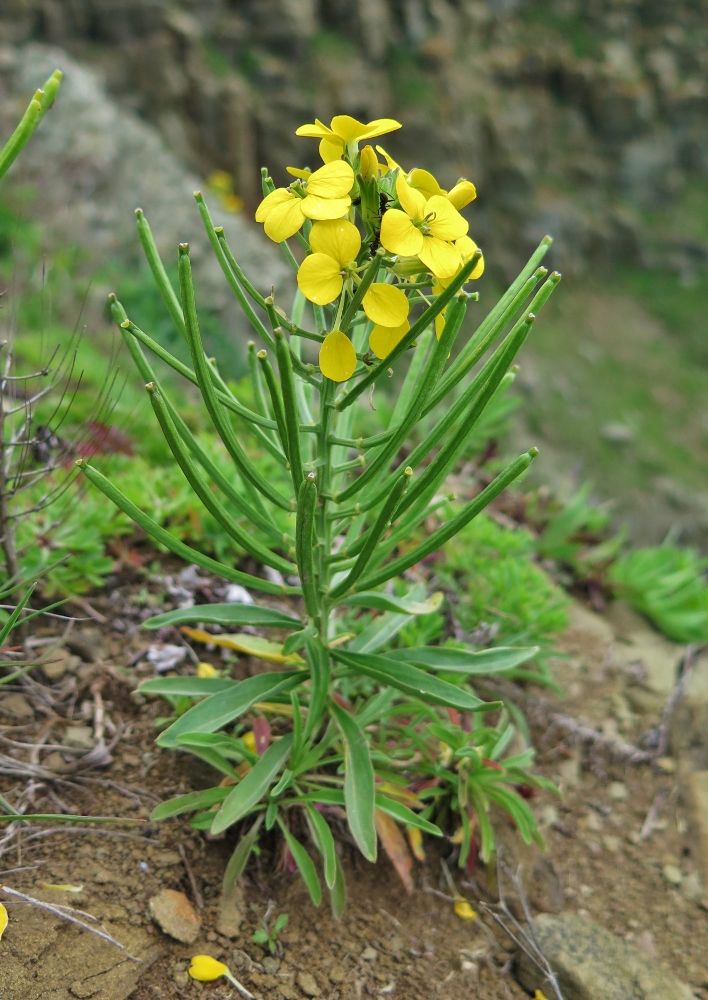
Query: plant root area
point(76, 739)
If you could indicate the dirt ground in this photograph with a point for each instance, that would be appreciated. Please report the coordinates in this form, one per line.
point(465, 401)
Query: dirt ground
point(388, 943)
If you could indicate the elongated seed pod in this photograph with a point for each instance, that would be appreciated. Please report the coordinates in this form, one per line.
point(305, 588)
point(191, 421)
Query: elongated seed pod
point(304, 543)
point(164, 285)
point(386, 515)
point(276, 401)
point(287, 386)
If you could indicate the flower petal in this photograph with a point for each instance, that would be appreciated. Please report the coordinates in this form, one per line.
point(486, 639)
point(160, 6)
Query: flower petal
point(277, 197)
point(333, 180)
point(467, 247)
point(297, 172)
point(445, 221)
point(385, 305)
point(349, 129)
point(439, 257)
point(3, 919)
point(317, 131)
point(285, 219)
point(462, 194)
point(412, 202)
point(423, 181)
point(399, 235)
point(391, 163)
point(337, 357)
point(325, 208)
point(331, 149)
point(383, 339)
point(338, 238)
point(380, 126)
point(206, 969)
point(319, 279)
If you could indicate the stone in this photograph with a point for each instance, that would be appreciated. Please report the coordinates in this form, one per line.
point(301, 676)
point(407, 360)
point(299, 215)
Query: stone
point(308, 984)
point(337, 974)
point(673, 875)
point(175, 915)
point(692, 889)
point(59, 662)
point(17, 706)
point(593, 964)
point(80, 737)
point(165, 859)
point(369, 954)
point(617, 790)
point(696, 793)
point(612, 844)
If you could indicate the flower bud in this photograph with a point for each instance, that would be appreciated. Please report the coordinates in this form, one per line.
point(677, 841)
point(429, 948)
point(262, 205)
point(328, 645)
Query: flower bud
point(368, 164)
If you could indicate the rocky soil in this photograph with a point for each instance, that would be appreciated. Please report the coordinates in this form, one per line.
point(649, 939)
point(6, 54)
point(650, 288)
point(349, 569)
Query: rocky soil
point(619, 895)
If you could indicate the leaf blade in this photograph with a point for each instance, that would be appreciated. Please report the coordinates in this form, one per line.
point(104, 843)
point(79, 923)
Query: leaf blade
point(359, 788)
point(224, 614)
point(244, 796)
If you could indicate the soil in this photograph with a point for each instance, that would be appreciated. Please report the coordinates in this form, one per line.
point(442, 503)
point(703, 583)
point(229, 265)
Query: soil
point(388, 943)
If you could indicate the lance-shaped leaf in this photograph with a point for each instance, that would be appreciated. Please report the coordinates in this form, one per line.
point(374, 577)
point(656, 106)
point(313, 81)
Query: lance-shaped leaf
point(239, 860)
point(338, 893)
point(225, 706)
point(250, 645)
point(322, 836)
point(378, 601)
point(412, 680)
point(188, 803)
point(405, 815)
point(304, 864)
point(358, 782)
point(189, 687)
point(244, 796)
point(305, 541)
point(163, 536)
point(466, 661)
point(225, 614)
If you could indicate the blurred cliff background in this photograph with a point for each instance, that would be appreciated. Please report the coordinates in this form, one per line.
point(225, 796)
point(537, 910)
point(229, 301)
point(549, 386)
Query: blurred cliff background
point(586, 119)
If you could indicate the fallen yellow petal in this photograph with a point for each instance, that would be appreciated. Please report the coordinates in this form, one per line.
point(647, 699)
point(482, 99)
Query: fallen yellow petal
point(538, 995)
point(206, 670)
point(337, 357)
point(61, 887)
point(3, 920)
point(464, 911)
point(206, 969)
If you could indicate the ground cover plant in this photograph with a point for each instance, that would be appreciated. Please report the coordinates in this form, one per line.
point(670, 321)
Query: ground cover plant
point(397, 738)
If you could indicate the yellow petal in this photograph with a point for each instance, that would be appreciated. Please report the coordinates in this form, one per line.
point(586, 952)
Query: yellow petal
point(206, 670)
point(385, 305)
point(415, 840)
point(467, 247)
point(337, 357)
point(277, 197)
point(285, 220)
point(349, 129)
point(538, 995)
point(333, 180)
point(443, 220)
point(439, 257)
point(319, 279)
point(368, 164)
point(331, 149)
point(383, 339)
point(249, 739)
point(61, 887)
point(462, 194)
point(206, 969)
point(338, 238)
point(423, 181)
point(399, 235)
point(390, 162)
point(3, 920)
point(411, 201)
point(380, 126)
point(325, 208)
point(251, 645)
point(317, 131)
point(464, 911)
point(440, 324)
point(297, 172)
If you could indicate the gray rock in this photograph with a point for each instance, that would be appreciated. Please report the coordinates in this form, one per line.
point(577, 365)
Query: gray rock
point(175, 915)
point(16, 705)
point(593, 964)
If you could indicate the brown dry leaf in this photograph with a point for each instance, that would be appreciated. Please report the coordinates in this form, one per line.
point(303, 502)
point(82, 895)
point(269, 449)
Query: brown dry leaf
point(395, 846)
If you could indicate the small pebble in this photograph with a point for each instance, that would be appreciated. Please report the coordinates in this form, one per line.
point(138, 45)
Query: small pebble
point(617, 790)
point(673, 875)
point(666, 764)
point(308, 984)
point(692, 889)
point(369, 954)
point(612, 843)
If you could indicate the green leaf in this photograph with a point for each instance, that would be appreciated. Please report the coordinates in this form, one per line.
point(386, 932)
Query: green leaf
point(466, 661)
point(385, 602)
point(297, 640)
point(220, 709)
point(338, 893)
point(412, 681)
point(214, 759)
point(244, 796)
point(239, 859)
point(304, 863)
point(190, 687)
point(280, 924)
point(260, 936)
point(188, 803)
point(227, 746)
point(405, 815)
point(358, 783)
point(225, 614)
point(322, 836)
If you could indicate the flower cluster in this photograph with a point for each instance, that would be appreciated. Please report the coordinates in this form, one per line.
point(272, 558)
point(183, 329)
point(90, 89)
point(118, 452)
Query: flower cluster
point(378, 240)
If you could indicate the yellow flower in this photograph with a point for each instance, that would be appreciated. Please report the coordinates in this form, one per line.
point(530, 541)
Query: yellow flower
point(369, 166)
point(250, 740)
point(390, 162)
point(3, 920)
point(337, 357)
point(206, 670)
point(383, 339)
point(464, 911)
point(335, 245)
point(466, 247)
point(324, 194)
point(344, 134)
point(462, 194)
point(424, 228)
point(206, 969)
